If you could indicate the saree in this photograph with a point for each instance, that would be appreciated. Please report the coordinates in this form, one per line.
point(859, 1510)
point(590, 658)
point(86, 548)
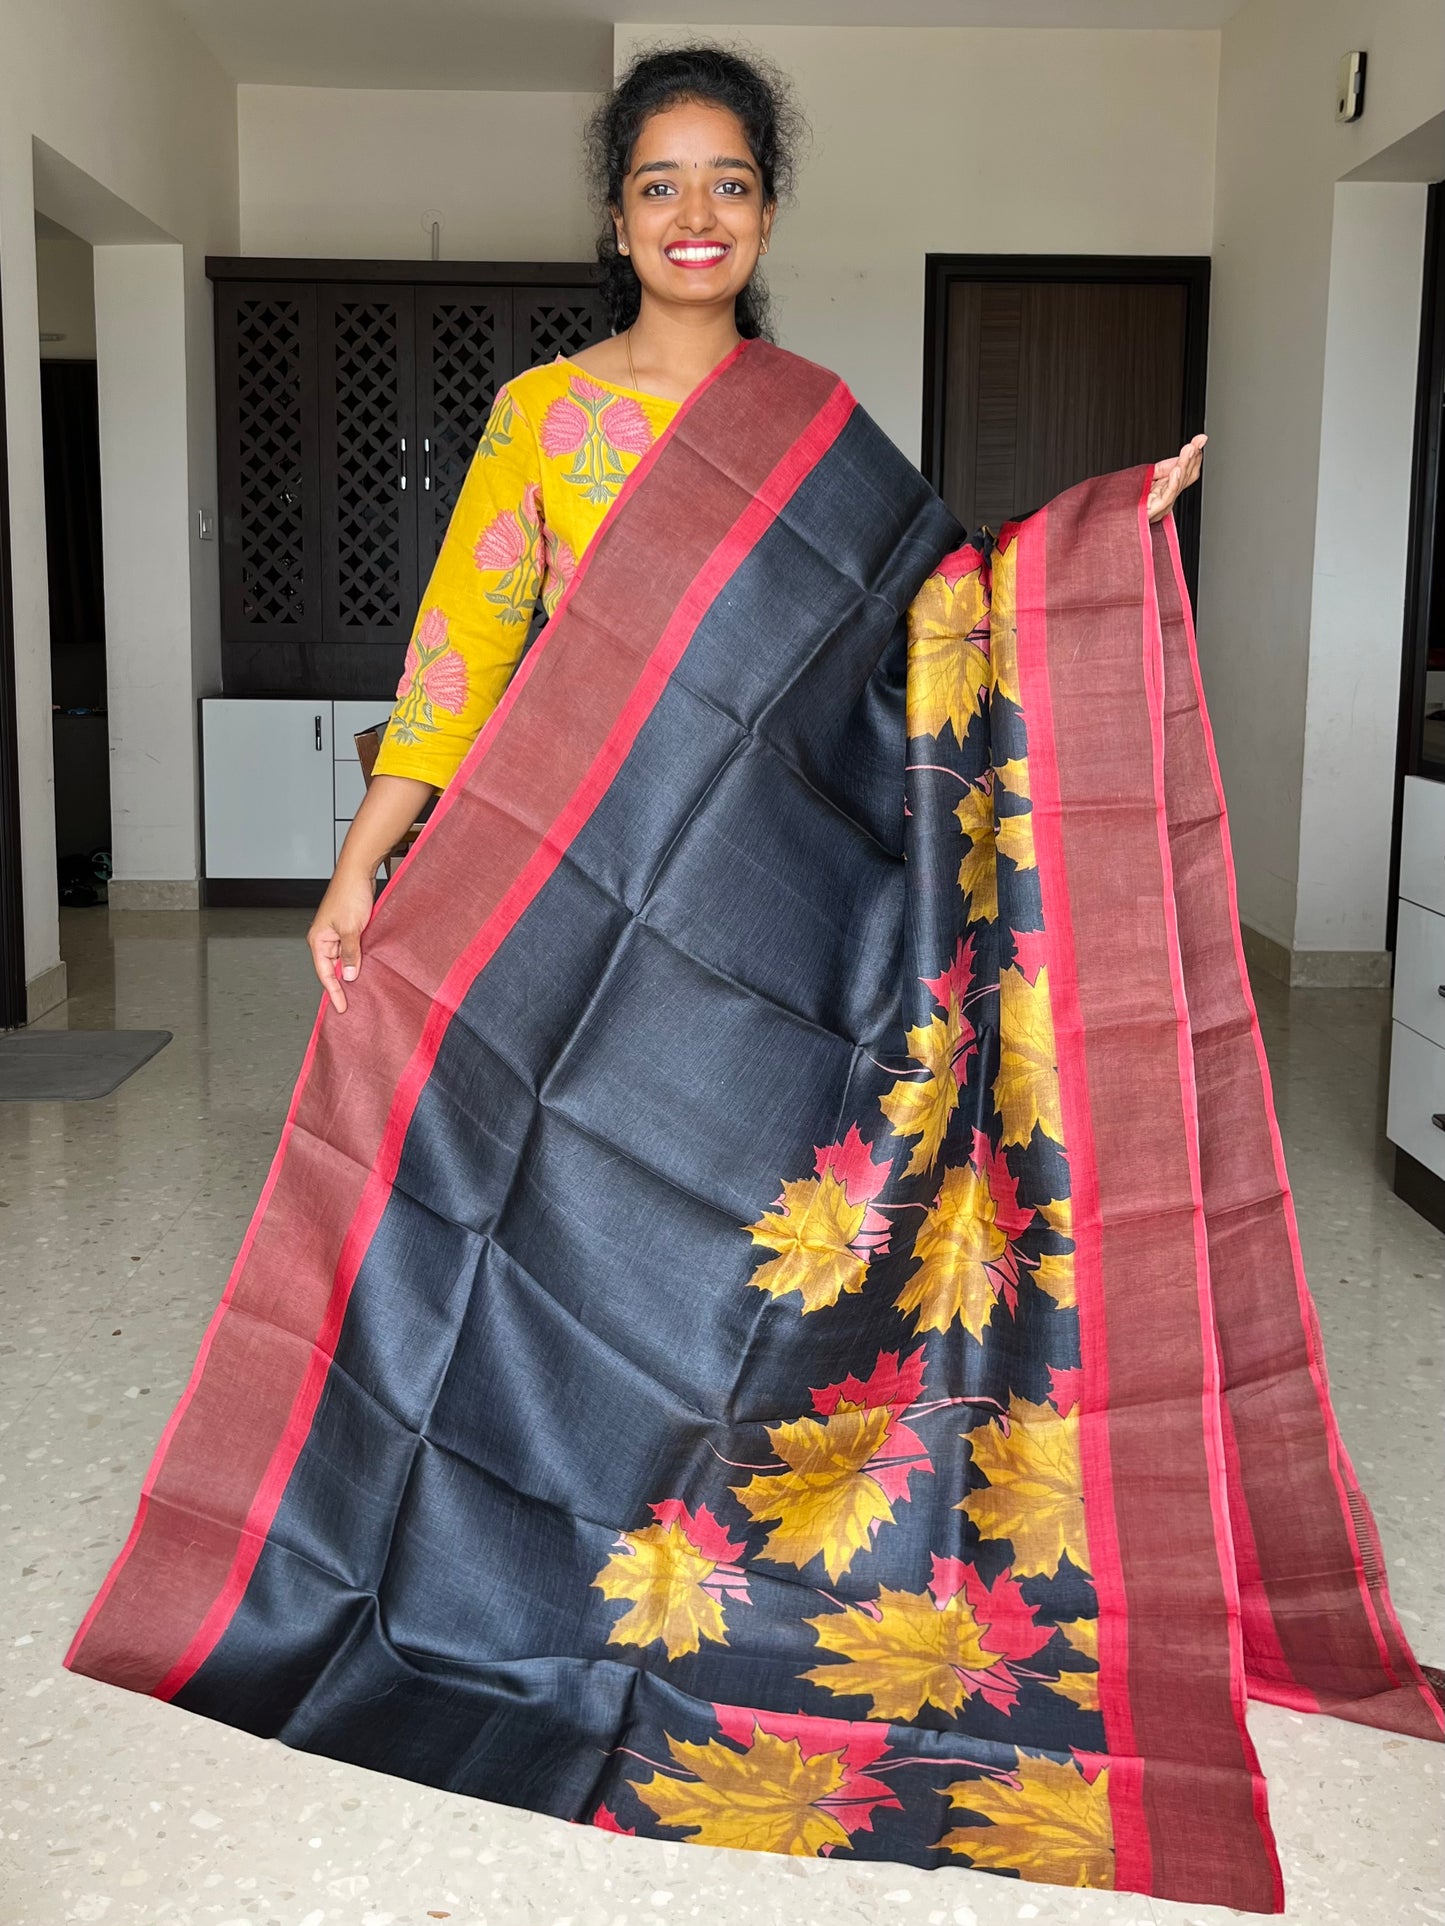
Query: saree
point(776, 1319)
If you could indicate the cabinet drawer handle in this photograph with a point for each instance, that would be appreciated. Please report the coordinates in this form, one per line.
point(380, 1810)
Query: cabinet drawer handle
point(426, 487)
point(319, 743)
point(403, 464)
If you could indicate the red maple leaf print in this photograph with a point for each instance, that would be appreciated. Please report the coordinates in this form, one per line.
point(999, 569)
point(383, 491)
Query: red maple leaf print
point(1066, 1387)
point(955, 980)
point(902, 1451)
point(608, 1822)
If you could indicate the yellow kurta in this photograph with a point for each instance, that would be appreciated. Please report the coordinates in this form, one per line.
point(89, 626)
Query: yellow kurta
point(556, 449)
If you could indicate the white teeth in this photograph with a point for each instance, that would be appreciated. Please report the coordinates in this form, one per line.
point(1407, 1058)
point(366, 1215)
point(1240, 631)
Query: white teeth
point(696, 253)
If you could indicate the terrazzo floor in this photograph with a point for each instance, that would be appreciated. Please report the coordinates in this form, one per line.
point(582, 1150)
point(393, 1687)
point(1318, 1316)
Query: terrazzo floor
point(119, 1220)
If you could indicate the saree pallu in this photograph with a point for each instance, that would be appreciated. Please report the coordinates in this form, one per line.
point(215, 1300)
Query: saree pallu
point(776, 1318)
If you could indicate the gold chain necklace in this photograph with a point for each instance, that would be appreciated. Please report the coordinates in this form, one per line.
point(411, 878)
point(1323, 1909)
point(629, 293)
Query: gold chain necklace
point(630, 369)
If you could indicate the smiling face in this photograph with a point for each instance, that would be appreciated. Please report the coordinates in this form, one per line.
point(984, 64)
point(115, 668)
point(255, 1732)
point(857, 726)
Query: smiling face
point(693, 217)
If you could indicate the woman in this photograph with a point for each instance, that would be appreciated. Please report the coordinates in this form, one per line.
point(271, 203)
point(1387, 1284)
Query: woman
point(781, 1323)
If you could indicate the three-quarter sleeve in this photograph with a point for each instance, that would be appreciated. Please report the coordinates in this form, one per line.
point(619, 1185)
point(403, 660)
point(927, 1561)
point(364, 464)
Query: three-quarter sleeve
point(473, 620)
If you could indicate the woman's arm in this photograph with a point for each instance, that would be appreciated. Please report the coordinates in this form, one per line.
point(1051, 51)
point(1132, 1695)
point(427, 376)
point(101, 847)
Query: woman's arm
point(388, 809)
point(465, 644)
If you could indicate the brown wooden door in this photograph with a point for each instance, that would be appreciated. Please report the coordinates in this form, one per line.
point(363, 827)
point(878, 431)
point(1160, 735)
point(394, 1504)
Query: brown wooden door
point(1055, 371)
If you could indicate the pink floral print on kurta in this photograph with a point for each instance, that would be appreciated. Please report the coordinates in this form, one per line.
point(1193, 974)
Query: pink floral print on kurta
point(434, 674)
point(594, 425)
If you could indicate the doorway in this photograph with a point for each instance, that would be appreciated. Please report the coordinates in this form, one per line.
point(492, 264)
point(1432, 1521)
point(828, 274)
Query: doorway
point(1042, 370)
point(70, 440)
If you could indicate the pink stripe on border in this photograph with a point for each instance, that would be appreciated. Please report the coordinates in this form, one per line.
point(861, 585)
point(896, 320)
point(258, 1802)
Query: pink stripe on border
point(1132, 1850)
point(1339, 1461)
point(761, 511)
point(1152, 639)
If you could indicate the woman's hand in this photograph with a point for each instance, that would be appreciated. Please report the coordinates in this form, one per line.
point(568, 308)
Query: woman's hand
point(334, 937)
point(388, 809)
point(1172, 477)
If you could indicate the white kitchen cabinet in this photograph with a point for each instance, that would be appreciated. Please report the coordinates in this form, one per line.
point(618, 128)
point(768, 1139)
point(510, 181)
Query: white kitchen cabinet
point(268, 787)
point(1415, 1121)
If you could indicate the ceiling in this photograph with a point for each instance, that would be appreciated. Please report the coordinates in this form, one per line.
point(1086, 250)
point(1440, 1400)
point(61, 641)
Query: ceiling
point(566, 45)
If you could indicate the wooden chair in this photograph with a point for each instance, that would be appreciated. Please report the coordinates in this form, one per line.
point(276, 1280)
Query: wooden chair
point(368, 742)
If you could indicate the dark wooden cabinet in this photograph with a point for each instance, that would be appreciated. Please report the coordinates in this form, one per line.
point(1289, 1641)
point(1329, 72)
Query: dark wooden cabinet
point(350, 397)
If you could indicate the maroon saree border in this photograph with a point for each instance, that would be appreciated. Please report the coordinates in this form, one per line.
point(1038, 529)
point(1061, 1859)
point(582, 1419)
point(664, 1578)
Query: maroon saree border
point(1343, 1650)
point(527, 784)
point(1186, 1792)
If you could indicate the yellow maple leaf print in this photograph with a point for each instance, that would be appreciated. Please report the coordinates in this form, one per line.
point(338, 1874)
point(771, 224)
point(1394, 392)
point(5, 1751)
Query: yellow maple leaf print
point(812, 1233)
point(662, 1573)
point(947, 674)
point(1026, 1089)
point(765, 1799)
point(909, 1656)
point(955, 1244)
point(1014, 832)
point(1054, 1826)
point(1034, 1497)
point(1055, 1270)
point(825, 1502)
point(1054, 1275)
point(922, 1108)
point(1002, 625)
point(1082, 1687)
point(978, 872)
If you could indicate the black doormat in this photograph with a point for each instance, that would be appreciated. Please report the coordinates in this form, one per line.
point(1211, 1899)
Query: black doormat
point(64, 1066)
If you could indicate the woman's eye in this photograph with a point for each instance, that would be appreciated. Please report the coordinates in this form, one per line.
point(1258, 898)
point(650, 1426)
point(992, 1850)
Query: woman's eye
point(741, 186)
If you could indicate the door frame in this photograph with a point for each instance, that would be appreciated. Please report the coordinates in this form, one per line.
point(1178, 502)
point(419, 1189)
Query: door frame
point(13, 1008)
point(942, 271)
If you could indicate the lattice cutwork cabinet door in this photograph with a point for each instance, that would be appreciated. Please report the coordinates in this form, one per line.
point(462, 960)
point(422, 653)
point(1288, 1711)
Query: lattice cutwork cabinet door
point(463, 354)
point(371, 469)
point(548, 321)
point(267, 454)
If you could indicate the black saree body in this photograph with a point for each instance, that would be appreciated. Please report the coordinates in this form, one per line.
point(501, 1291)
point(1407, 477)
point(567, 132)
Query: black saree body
point(776, 1319)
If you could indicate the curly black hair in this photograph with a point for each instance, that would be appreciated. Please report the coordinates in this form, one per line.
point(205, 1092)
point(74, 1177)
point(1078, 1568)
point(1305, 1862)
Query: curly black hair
point(661, 77)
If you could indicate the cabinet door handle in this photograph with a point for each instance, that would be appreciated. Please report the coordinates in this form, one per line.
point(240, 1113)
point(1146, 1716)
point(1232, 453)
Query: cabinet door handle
point(403, 465)
point(319, 744)
point(426, 484)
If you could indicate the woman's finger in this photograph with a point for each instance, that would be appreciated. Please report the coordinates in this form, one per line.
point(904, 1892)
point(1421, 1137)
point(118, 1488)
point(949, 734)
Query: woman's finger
point(326, 971)
point(350, 953)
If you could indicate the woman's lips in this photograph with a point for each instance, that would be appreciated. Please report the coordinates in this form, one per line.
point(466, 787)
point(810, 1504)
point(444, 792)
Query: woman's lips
point(697, 254)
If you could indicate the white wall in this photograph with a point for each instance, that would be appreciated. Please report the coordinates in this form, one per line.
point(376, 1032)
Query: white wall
point(959, 140)
point(1352, 696)
point(138, 130)
point(340, 171)
point(1280, 153)
point(141, 376)
point(65, 294)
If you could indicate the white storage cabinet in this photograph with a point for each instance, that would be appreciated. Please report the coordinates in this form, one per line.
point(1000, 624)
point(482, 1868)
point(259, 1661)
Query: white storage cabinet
point(280, 784)
point(1416, 1117)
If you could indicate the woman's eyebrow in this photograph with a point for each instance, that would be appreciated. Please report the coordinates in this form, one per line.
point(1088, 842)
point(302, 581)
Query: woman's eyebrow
point(671, 166)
